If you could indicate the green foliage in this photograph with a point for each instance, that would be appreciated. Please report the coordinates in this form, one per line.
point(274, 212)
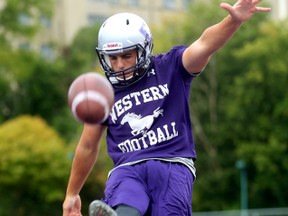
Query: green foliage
point(34, 167)
point(30, 84)
point(8, 83)
point(37, 87)
point(263, 142)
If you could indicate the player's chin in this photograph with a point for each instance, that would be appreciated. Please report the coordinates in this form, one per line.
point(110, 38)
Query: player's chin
point(127, 76)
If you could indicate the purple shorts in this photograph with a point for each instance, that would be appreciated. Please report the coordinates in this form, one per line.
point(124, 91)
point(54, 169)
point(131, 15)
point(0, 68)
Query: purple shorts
point(153, 187)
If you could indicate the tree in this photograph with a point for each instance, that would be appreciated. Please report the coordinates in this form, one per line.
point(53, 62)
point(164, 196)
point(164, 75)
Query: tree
point(38, 88)
point(262, 137)
point(34, 168)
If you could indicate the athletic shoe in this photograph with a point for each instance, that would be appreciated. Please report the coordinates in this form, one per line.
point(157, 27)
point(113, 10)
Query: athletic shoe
point(99, 208)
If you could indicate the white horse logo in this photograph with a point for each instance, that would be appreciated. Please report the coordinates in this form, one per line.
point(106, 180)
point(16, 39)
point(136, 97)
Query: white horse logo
point(139, 124)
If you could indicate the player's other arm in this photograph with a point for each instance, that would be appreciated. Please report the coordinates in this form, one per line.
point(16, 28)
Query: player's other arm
point(86, 154)
point(197, 55)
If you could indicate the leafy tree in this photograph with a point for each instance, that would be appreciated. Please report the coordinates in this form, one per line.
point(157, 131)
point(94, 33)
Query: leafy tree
point(262, 137)
point(34, 168)
point(38, 88)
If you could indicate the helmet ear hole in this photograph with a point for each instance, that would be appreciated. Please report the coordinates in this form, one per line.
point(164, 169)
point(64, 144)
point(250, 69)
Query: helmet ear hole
point(139, 55)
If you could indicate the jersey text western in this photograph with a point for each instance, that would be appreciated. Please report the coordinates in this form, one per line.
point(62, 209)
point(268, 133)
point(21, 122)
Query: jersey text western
point(137, 98)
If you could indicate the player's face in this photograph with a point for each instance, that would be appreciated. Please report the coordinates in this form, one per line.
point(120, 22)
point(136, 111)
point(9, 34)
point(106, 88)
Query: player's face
point(123, 61)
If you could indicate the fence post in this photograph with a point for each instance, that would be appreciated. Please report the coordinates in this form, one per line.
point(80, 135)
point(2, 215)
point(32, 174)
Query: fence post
point(241, 165)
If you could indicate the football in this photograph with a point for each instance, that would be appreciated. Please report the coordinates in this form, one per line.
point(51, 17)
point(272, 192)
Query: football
point(90, 98)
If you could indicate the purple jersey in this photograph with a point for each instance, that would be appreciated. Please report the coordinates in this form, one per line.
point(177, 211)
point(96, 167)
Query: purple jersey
point(151, 118)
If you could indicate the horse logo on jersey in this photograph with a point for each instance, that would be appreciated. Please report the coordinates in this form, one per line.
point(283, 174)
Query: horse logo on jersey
point(141, 125)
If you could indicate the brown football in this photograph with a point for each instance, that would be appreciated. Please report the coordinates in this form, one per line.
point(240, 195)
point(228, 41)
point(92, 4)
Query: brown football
point(90, 98)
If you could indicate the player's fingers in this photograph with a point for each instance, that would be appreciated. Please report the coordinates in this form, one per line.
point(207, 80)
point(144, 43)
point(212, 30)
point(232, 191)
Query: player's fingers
point(229, 8)
point(226, 6)
point(263, 9)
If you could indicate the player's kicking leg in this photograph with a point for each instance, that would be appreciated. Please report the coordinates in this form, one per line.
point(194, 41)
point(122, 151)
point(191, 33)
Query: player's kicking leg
point(99, 208)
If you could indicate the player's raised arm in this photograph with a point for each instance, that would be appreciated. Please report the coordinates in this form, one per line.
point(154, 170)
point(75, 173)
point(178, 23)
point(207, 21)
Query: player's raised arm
point(197, 55)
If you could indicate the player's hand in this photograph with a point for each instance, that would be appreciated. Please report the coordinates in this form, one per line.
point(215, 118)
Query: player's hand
point(72, 206)
point(243, 10)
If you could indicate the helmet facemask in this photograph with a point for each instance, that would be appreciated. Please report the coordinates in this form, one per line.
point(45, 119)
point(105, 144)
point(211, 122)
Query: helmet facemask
point(119, 78)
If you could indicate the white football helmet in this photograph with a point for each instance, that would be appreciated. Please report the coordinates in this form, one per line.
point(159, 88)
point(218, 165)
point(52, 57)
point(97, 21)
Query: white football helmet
point(120, 33)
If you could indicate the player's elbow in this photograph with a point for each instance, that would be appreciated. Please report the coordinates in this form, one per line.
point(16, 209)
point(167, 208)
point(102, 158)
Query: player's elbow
point(195, 58)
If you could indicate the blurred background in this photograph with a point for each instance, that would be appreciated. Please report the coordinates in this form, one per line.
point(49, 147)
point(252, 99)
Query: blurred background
point(239, 105)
